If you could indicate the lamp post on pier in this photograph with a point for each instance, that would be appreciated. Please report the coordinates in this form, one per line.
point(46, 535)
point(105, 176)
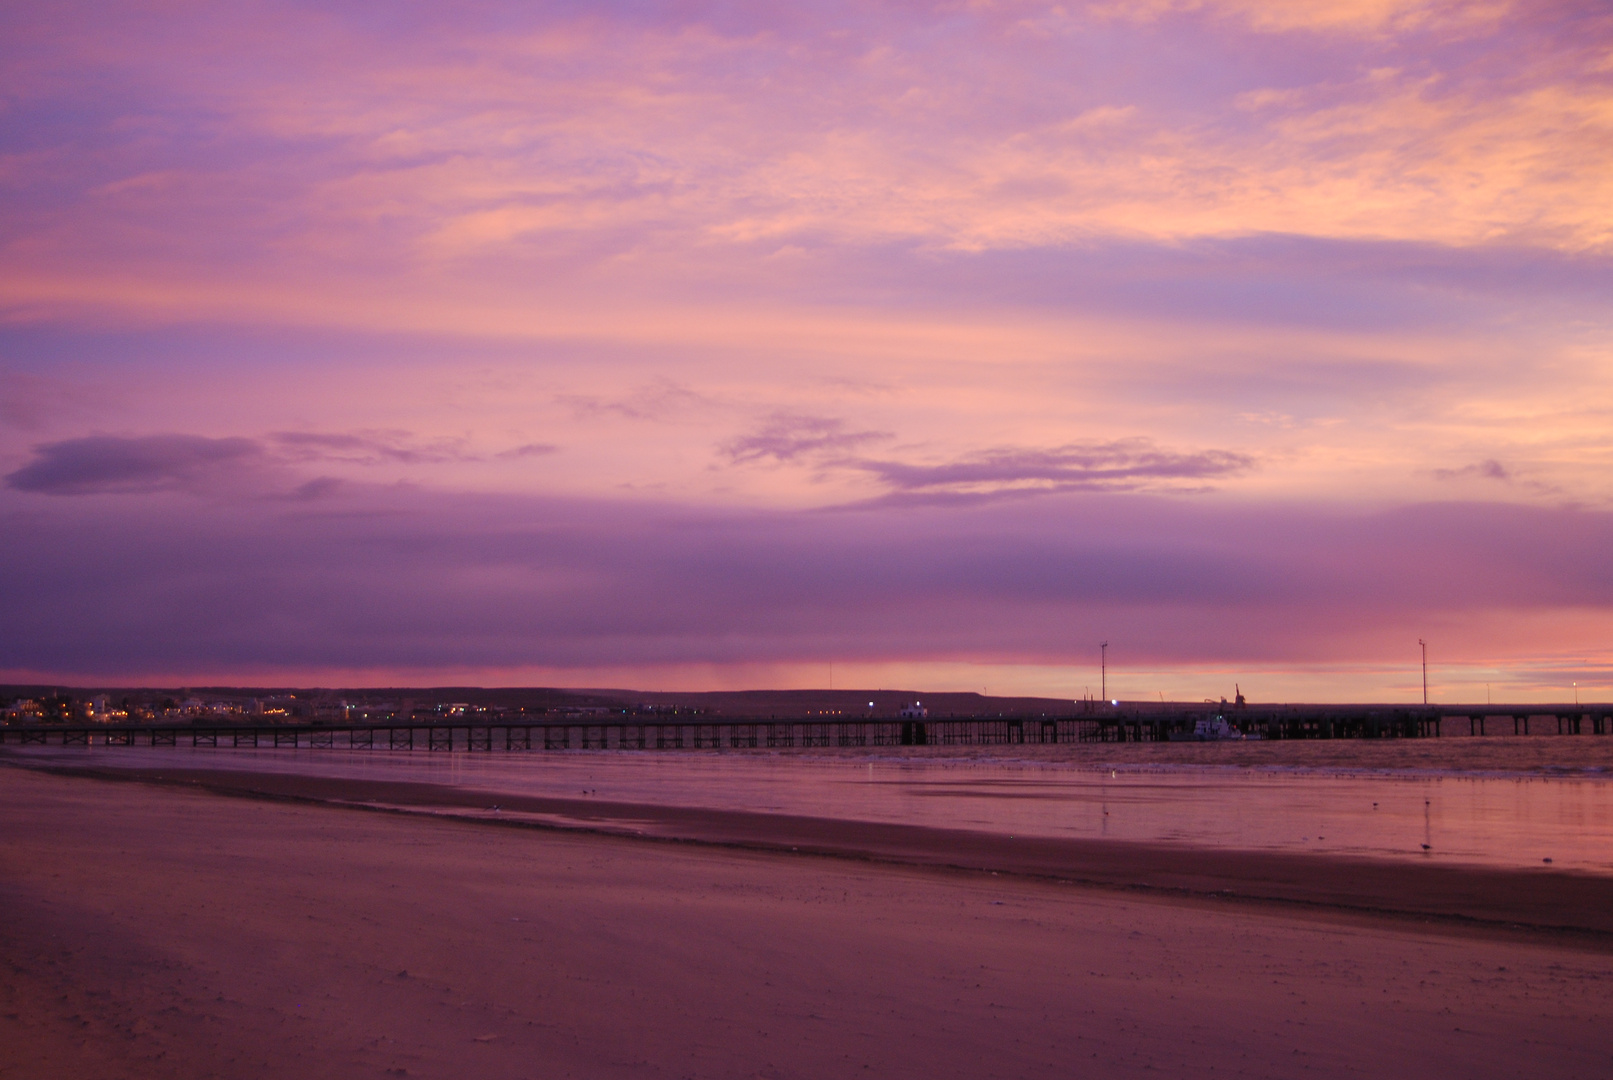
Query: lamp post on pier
point(1103, 670)
point(1424, 645)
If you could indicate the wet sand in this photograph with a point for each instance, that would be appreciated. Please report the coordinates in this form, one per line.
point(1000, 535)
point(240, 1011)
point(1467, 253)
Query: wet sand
point(170, 930)
point(1522, 810)
point(1539, 897)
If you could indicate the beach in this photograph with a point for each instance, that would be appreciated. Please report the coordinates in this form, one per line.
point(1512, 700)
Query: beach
point(224, 922)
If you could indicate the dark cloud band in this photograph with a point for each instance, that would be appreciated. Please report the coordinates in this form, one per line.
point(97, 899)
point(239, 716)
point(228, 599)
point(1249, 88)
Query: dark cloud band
point(420, 581)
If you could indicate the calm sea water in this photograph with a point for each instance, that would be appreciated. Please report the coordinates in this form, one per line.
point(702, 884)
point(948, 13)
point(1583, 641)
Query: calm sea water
point(1441, 809)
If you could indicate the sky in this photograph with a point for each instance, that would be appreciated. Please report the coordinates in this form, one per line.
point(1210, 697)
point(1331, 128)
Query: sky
point(716, 346)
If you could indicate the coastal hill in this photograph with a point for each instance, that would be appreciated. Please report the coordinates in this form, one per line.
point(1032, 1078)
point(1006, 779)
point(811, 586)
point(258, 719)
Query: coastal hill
point(59, 701)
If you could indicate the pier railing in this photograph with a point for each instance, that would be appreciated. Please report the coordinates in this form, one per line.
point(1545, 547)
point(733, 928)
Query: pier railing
point(628, 731)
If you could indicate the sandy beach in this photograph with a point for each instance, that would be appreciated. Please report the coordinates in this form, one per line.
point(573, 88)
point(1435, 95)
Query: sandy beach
point(175, 930)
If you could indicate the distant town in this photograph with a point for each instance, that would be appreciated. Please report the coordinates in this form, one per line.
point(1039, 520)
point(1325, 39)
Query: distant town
point(271, 705)
point(302, 707)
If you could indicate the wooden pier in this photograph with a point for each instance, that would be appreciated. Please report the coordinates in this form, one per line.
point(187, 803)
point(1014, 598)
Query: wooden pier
point(628, 731)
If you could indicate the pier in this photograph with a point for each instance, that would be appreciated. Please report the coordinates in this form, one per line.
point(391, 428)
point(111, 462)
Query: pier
point(1092, 722)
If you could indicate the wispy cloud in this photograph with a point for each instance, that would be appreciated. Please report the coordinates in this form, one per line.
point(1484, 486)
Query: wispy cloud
point(366, 447)
point(1122, 465)
point(660, 400)
point(529, 450)
point(1374, 17)
point(650, 148)
point(1118, 466)
point(1489, 469)
point(785, 437)
point(1135, 464)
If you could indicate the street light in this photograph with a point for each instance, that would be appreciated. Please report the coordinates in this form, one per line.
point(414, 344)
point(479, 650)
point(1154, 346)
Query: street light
point(1103, 669)
point(1424, 644)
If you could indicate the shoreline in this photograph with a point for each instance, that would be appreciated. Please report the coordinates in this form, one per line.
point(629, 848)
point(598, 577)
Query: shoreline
point(1483, 899)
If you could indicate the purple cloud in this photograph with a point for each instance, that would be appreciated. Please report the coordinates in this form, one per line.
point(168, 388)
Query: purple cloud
point(785, 437)
point(530, 450)
point(1489, 469)
point(98, 465)
point(365, 447)
point(108, 464)
point(660, 400)
point(1122, 465)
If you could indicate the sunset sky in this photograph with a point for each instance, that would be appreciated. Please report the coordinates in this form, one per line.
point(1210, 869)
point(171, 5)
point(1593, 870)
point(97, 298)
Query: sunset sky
point(706, 345)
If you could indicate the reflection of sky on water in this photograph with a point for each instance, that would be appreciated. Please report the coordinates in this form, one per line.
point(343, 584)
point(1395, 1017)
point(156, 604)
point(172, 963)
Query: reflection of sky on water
point(1517, 820)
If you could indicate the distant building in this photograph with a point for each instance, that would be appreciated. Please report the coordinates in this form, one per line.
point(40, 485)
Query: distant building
point(331, 710)
point(24, 710)
point(915, 711)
